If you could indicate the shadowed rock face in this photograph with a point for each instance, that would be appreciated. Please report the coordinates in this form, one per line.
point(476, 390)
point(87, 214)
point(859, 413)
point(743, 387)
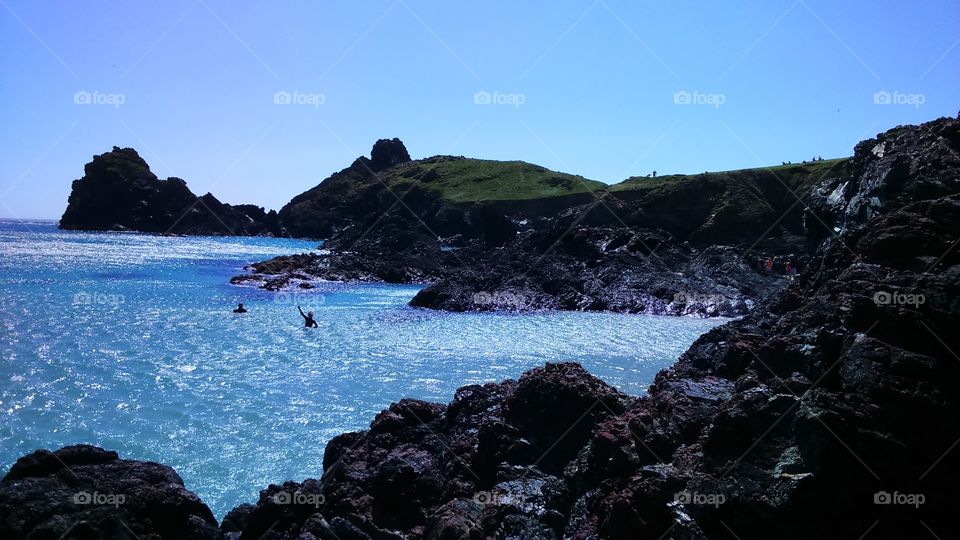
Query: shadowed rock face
point(388, 152)
point(898, 166)
point(119, 192)
point(602, 269)
point(489, 463)
point(790, 422)
point(349, 201)
point(87, 492)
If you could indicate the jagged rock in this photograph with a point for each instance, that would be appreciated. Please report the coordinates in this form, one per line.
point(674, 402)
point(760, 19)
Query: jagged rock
point(462, 470)
point(87, 492)
point(901, 165)
point(602, 269)
point(386, 153)
point(841, 393)
point(119, 192)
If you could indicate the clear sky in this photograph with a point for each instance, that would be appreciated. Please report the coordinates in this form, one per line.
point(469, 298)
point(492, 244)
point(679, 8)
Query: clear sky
point(258, 101)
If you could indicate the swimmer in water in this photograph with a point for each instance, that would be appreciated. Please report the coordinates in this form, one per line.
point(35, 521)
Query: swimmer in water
point(308, 320)
point(240, 308)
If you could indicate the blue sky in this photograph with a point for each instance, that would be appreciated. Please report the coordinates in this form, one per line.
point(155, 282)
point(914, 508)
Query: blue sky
point(258, 102)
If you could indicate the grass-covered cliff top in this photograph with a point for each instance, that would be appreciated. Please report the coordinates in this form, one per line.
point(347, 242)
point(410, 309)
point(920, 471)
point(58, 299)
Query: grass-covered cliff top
point(791, 174)
point(465, 180)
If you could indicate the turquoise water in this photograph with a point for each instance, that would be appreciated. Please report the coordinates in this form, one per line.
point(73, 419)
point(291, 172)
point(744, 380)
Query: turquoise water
point(127, 341)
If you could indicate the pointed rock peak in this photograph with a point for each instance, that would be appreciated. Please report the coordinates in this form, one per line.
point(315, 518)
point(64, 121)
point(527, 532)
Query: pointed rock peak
point(388, 152)
point(127, 153)
point(120, 163)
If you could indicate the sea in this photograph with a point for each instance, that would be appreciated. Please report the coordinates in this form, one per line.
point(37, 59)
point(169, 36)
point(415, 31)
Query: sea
point(129, 342)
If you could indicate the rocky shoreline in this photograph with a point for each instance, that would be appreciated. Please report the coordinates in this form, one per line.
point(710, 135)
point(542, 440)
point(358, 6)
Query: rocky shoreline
point(678, 245)
point(488, 235)
point(590, 269)
point(829, 411)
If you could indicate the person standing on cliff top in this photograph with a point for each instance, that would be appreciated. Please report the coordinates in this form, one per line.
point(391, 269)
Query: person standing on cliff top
point(308, 320)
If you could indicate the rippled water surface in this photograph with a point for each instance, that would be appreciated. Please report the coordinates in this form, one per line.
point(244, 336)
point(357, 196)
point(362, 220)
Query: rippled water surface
point(128, 342)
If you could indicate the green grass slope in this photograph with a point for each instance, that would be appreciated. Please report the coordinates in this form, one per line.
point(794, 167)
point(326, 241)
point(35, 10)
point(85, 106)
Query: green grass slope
point(459, 179)
point(794, 174)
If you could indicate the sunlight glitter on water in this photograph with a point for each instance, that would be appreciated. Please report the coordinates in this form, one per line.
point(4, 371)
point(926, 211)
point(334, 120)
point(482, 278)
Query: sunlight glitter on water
point(152, 363)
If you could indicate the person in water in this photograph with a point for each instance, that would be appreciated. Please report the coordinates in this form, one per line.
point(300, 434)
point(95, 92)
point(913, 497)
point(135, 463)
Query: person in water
point(240, 308)
point(308, 320)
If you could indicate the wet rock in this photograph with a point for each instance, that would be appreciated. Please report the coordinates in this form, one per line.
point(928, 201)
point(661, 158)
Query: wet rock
point(482, 466)
point(602, 269)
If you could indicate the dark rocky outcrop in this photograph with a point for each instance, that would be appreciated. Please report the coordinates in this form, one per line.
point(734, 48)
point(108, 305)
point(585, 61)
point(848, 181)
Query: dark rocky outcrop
point(489, 464)
point(87, 492)
point(759, 208)
point(411, 266)
point(386, 153)
point(794, 419)
point(577, 268)
point(901, 165)
point(680, 245)
point(118, 192)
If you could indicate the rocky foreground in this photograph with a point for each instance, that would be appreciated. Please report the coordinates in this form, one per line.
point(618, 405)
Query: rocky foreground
point(830, 411)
